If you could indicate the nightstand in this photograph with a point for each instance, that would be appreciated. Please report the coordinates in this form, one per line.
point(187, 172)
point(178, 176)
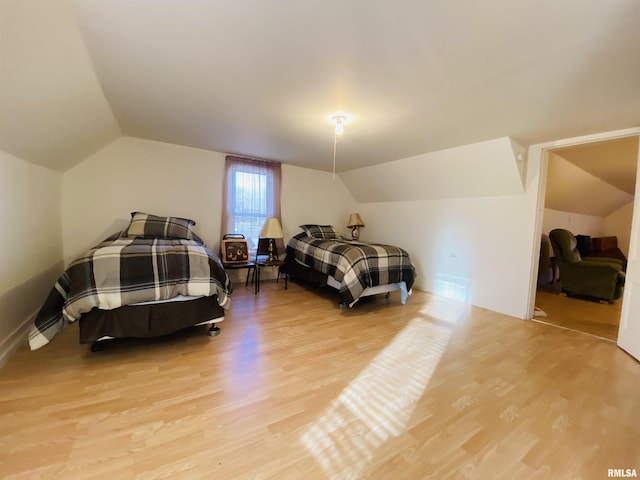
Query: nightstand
point(267, 263)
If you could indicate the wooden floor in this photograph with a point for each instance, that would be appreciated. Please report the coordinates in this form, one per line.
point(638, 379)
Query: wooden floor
point(294, 387)
point(600, 319)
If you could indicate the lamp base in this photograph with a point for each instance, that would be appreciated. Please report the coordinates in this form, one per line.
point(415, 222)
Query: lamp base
point(355, 233)
point(271, 258)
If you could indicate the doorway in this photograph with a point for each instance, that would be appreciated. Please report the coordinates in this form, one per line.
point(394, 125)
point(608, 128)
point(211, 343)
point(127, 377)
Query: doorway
point(589, 191)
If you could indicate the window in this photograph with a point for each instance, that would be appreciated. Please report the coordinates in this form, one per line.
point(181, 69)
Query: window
point(251, 195)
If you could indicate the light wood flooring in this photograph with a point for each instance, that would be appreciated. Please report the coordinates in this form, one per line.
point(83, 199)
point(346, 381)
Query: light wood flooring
point(600, 319)
point(294, 387)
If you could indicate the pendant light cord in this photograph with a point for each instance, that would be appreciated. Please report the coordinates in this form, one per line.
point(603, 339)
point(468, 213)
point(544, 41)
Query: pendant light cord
point(335, 146)
point(338, 119)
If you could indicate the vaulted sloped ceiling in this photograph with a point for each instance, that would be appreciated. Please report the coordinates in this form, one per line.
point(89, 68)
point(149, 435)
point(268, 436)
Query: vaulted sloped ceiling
point(613, 161)
point(259, 78)
point(482, 169)
point(593, 179)
point(53, 111)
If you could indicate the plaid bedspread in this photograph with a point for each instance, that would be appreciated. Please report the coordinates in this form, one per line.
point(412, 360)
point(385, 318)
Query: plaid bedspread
point(355, 265)
point(122, 271)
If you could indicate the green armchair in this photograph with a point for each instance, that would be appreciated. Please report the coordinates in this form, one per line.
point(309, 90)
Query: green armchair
point(595, 277)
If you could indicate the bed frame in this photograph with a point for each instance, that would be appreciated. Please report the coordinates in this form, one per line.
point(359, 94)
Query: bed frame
point(294, 269)
point(151, 319)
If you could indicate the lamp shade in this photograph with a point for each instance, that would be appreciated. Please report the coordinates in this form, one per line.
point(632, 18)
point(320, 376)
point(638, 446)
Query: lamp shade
point(271, 228)
point(355, 220)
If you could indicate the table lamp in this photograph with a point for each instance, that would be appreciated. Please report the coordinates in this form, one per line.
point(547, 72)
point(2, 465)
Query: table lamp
point(271, 230)
point(355, 222)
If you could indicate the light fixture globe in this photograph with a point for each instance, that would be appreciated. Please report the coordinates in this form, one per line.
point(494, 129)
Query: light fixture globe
point(339, 119)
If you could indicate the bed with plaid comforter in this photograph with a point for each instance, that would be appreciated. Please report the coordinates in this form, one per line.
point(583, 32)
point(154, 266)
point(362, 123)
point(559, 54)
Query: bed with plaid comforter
point(127, 270)
point(355, 265)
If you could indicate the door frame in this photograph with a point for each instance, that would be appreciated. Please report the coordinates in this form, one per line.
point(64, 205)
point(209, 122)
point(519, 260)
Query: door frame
point(539, 155)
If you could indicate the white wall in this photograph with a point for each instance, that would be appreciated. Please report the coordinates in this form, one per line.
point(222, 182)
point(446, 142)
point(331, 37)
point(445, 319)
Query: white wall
point(311, 196)
point(479, 247)
point(477, 250)
point(31, 253)
point(134, 174)
point(618, 224)
point(468, 249)
point(576, 223)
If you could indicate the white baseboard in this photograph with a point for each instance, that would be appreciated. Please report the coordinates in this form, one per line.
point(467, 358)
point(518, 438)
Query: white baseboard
point(17, 338)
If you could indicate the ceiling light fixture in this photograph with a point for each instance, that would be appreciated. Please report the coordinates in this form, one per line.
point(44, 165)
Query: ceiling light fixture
point(338, 119)
point(339, 122)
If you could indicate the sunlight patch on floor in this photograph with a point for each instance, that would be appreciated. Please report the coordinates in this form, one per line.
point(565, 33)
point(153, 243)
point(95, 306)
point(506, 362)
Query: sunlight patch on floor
point(454, 288)
point(379, 402)
point(445, 309)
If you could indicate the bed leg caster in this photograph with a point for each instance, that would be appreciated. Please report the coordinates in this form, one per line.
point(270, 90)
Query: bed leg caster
point(213, 330)
point(97, 346)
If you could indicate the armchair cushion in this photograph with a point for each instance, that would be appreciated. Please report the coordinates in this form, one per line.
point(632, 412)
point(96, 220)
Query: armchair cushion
point(600, 260)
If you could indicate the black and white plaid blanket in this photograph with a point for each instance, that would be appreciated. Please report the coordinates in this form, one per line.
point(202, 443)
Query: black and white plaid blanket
point(355, 265)
point(126, 270)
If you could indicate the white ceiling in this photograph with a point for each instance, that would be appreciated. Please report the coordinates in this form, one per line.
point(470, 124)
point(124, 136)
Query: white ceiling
point(53, 111)
point(593, 179)
point(613, 161)
point(259, 78)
